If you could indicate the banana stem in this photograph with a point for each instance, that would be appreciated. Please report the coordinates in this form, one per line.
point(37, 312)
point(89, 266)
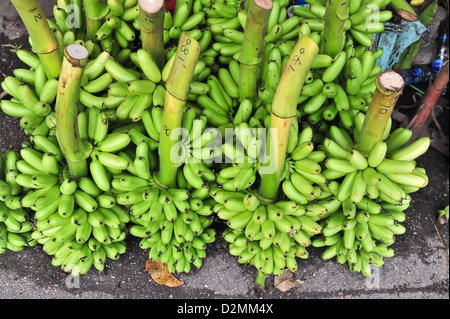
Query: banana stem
point(75, 150)
point(284, 110)
point(177, 89)
point(252, 46)
point(151, 22)
point(96, 11)
point(336, 13)
point(389, 86)
point(44, 43)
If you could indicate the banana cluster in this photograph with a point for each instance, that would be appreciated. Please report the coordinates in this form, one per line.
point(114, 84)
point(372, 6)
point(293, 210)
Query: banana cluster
point(331, 196)
point(365, 18)
point(172, 223)
point(68, 213)
point(32, 96)
point(267, 236)
point(244, 154)
point(339, 87)
point(373, 190)
point(342, 85)
point(388, 172)
point(305, 182)
point(112, 26)
point(16, 224)
point(360, 234)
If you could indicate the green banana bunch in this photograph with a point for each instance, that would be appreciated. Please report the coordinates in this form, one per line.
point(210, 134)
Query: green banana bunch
point(244, 155)
point(365, 18)
point(332, 196)
point(28, 102)
point(304, 182)
point(65, 210)
point(360, 234)
point(188, 18)
point(388, 172)
point(267, 236)
point(172, 223)
point(112, 26)
point(373, 190)
point(342, 85)
point(15, 222)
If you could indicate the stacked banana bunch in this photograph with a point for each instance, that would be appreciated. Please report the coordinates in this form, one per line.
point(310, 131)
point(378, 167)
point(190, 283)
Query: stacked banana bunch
point(32, 96)
point(356, 26)
point(16, 224)
point(267, 236)
point(341, 85)
point(172, 224)
point(338, 86)
point(69, 214)
point(305, 182)
point(330, 196)
point(373, 190)
point(115, 23)
point(270, 235)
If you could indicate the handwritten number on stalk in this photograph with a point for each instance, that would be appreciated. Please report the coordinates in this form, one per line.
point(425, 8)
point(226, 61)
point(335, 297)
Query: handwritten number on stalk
point(37, 17)
point(296, 59)
point(184, 48)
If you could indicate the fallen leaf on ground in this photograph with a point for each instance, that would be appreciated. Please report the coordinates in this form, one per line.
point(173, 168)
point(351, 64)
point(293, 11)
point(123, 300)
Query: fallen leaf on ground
point(286, 281)
point(160, 274)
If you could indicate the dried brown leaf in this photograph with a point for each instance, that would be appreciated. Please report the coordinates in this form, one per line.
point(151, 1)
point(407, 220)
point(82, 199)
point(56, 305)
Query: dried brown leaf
point(159, 273)
point(286, 281)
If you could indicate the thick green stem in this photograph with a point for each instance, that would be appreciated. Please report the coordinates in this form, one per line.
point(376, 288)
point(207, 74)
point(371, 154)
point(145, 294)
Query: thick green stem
point(336, 13)
point(44, 43)
point(389, 86)
point(75, 150)
point(252, 46)
point(151, 22)
point(284, 110)
point(177, 89)
point(96, 11)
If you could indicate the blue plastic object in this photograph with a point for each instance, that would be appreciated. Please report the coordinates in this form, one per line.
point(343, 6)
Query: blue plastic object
point(395, 39)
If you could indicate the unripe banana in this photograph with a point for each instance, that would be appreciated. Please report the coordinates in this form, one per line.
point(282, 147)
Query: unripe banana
point(412, 151)
point(148, 66)
point(339, 165)
point(99, 175)
point(398, 138)
point(389, 166)
point(292, 193)
point(346, 187)
point(114, 142)
point(331, 72)
point(85, 201)
point(118, 72)
point(377, 153)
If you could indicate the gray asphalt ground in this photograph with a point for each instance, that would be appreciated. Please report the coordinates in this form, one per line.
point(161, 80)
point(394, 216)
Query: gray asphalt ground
point(419, 270)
